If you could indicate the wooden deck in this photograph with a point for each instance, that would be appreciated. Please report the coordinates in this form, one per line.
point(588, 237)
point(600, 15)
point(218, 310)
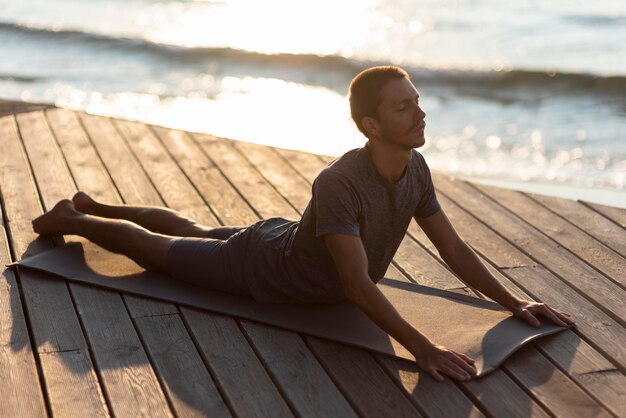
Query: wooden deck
point(72, 350)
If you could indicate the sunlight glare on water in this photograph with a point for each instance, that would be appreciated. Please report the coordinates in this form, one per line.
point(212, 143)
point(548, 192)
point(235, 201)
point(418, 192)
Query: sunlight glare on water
point(272, 26)
point(265, 111)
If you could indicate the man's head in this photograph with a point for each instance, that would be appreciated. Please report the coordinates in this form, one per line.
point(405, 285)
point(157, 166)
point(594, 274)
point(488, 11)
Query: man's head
point(384, 106)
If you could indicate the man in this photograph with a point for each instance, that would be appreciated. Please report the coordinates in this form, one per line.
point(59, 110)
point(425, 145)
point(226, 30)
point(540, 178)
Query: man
point(360, 209)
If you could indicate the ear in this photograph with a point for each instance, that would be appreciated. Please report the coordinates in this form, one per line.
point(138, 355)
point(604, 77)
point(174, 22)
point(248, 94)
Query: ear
point(370, 125)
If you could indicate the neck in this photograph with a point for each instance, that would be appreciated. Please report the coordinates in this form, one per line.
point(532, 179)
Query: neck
point(389, 159)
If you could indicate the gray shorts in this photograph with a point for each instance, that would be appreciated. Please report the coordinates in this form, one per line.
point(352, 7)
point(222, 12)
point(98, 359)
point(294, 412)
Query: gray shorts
point(215, 262)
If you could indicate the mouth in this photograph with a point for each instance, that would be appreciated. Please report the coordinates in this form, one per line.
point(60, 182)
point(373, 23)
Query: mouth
point(419, 127)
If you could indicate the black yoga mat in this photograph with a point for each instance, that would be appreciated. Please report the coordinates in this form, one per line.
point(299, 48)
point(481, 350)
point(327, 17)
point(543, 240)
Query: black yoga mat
point(481, 329)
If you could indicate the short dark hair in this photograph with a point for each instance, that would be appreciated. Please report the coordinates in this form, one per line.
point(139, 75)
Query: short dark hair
point(365, 90)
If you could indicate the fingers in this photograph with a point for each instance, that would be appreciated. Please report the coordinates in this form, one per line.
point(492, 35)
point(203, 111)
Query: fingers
point(531, 310)
point(549, 313)
point(456, 372)
point(462, 361)
point(436, 375)
point(530, 318)
point(453, 365)
point(565, 317)
point(554, 318)
point(466, 358)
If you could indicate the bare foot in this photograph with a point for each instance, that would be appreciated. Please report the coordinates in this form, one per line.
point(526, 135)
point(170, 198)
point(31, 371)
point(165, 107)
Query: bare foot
point(83, 202)
point(57, 220)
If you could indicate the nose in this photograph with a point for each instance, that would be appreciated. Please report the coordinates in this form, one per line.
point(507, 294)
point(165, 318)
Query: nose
point(419, 113)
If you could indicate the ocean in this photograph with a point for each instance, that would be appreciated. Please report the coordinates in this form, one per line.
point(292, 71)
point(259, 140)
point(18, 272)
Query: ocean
point(525, 94)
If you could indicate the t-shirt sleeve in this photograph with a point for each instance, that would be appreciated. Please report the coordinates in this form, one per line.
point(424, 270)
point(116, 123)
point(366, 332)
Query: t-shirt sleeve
point(428, 204)
point(336, 205)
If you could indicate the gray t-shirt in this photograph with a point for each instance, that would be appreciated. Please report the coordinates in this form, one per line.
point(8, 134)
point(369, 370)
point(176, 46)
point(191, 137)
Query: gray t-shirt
point(288, 261)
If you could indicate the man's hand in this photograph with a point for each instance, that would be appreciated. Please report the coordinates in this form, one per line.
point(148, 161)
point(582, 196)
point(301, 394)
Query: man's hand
point(529, 311)
point(464, 262)
point(351, 261)
point(436, 359)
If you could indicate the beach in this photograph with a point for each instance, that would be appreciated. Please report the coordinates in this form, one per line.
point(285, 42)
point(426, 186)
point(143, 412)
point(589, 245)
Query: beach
point(529, 97)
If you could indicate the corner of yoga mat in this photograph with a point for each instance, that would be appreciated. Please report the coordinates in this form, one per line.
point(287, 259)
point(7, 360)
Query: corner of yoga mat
point(494, 361)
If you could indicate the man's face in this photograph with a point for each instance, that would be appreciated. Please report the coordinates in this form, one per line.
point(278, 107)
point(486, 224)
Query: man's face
point(401, 120)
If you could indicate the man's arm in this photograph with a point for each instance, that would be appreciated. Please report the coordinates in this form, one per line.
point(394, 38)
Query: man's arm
point(466, 264)
point(351, 261)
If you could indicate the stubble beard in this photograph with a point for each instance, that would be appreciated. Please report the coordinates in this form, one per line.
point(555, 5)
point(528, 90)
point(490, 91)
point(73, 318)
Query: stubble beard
point(403, 145)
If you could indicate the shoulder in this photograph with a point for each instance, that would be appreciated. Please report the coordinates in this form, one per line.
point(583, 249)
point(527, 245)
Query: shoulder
point(344, 169)
point(419, 164)
point(418, 159)
point(332, 178)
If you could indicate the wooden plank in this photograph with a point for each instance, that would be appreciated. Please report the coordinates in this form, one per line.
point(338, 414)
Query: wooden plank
point(422, 268)
point(44, 155)
point(605, 334)
point(261, 196)
point(132, 386)
point(543, 381)
point(171, 184)
point(502, 396)
point(167, 341)
point(482, 239)
point(11, 107)
point(185, 378)
point(20, 388)
point(247, 385)
point(64, 355)
point(581, 244)
point(352, 370)
point(21, 207)
point(593, 285)
point(205, 175)
point(305, 164)
point(436, 399)
point(589, 369)
point(302, 380)
point(80, 155)
point(615, 214)
point(132, 183)
point(493, 244)
point(293, 188)
point(586, 219)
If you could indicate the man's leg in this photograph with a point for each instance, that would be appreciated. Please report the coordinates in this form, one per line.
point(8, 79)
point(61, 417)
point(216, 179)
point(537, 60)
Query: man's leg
point(146, 248)
point(161, 220)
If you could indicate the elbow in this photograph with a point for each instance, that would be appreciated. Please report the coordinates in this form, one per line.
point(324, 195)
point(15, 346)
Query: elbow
point(353, 289)
point(454, 252)
point(351, 292)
